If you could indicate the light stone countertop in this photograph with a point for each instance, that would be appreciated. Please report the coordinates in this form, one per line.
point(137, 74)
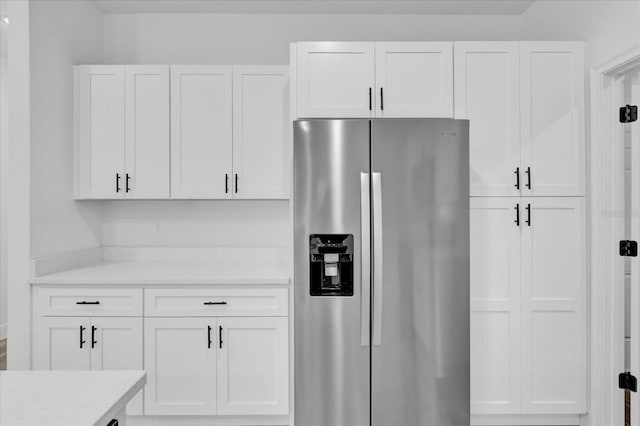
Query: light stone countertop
point(65, 398)
point(150, 272)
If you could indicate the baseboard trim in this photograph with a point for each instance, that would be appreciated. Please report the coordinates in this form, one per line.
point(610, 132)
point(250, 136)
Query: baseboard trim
point(206, 420)
point(3, 331)
point(525, 419)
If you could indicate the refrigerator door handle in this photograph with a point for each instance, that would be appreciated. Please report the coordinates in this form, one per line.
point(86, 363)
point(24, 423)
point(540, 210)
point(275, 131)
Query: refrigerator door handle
point(377, 258)
point(365, 240)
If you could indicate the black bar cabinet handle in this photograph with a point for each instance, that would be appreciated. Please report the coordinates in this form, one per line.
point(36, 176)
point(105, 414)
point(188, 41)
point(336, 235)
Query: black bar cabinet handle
point(93, 336)
point(528, 172)
point(220, 336)
point(84, 302)
point(517, 209)
point(209, 337)
point(528, 215)
point(517, 173)
point(215, 303)
point(370, 106)
point(381, 99)
point(117, 182)
point(126, 186)
point(226, 183)
point(236, 183)
point(82, 341)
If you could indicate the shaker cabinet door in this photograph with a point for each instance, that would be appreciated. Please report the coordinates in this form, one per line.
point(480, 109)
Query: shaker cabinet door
point(335, 79)
point(495, 305)
point(201, 132)
point(261, 131)
point(147, 131)
point(62, 343)
point(180, 361)
point(553, 306)
point(116, 344)
point(487, 94)
point(552, 117)
point(99, 131)
point(253, 372)
point(414, 79)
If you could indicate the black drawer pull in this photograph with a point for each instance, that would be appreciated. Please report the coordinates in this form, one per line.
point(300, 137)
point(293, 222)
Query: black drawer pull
point(82, 341)
point(84, 302)
point(220, 336)
point(209, 337)
point(93, 336)
point(215, 303)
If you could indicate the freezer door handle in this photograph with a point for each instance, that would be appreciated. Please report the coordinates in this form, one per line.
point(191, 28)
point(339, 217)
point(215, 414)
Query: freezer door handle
point(377, 258)
point(365, 240)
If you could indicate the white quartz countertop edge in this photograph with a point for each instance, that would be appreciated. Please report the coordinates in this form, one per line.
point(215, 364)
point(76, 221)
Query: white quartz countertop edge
point(277, 281)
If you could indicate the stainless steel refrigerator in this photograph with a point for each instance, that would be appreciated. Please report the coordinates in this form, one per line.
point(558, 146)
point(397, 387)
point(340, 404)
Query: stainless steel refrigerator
point(381, 274)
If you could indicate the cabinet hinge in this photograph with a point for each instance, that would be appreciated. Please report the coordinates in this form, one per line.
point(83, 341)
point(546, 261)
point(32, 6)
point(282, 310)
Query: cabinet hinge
point(628, 248)
point(628, 381)
point(628, 113)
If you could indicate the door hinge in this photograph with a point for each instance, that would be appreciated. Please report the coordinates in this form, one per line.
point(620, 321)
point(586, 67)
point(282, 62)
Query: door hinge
point(628, 113)
point(628, 248)
point(628, 381)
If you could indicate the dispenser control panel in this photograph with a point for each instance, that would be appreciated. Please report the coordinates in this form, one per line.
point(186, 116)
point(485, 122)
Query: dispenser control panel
point(331, 264)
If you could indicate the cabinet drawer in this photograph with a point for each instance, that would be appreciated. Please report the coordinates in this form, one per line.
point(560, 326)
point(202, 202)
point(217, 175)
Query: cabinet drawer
point(103, 302)
point(216, 302)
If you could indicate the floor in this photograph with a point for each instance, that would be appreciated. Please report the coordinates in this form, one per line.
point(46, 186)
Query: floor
point(3, 354)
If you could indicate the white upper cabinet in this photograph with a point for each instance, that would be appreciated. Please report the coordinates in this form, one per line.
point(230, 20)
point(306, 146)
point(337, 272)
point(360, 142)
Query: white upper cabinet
point(147, 131)
point(252, 365)
point(201, 132)
point(335, 79)
point(261, 157)
point(121, 131)
point(99, 131)
point(381, 79)
point(414, 79)
point(552, 124)
point(487, 94)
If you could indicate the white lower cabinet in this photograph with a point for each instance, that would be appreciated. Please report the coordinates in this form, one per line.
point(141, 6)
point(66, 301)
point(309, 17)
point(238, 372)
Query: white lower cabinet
point(528, 313)
point(83, 343)
point(252, 362)
point(180, 360)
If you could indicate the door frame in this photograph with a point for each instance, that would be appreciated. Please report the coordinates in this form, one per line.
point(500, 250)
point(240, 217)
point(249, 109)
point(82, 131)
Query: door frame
point(606, 228)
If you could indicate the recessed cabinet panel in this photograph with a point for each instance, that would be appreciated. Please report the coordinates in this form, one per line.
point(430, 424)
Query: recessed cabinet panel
point(552, 90)
point(180, 360)
point(99, 131)
point(487, 94)
point(553, 306)
point(147, 131)
point(414, 79)
point(335, 79)
point(201, 132)
point(62, 344)
point(495, 305)
point(116, 344)
point(261, 132)
point(253, 358)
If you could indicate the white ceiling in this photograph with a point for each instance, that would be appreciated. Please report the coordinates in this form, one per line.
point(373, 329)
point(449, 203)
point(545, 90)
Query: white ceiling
point(430, 7)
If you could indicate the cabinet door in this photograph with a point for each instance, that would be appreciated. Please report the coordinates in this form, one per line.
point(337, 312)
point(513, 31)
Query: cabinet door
point(335, 79)
point(180, 360)
point(414, 79)
point(201, 132)
point(261, 125)
point(62, 343)
point(552, 90)
point(147, 131)
point(553, 306)
point(116, 344)
point(99, 131)
point(253, 366)
point(487, 94)
point(495, 305)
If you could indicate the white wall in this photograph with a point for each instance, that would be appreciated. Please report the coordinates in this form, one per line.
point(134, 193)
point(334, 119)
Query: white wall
point(609, 27)
point(63, 33)
point(4, 172)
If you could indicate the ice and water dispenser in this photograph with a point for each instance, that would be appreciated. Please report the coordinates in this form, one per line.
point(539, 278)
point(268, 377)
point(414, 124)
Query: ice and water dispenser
point(331, 264)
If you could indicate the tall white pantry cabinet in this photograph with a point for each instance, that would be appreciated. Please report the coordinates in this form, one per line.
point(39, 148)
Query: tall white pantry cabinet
point(525, 101)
